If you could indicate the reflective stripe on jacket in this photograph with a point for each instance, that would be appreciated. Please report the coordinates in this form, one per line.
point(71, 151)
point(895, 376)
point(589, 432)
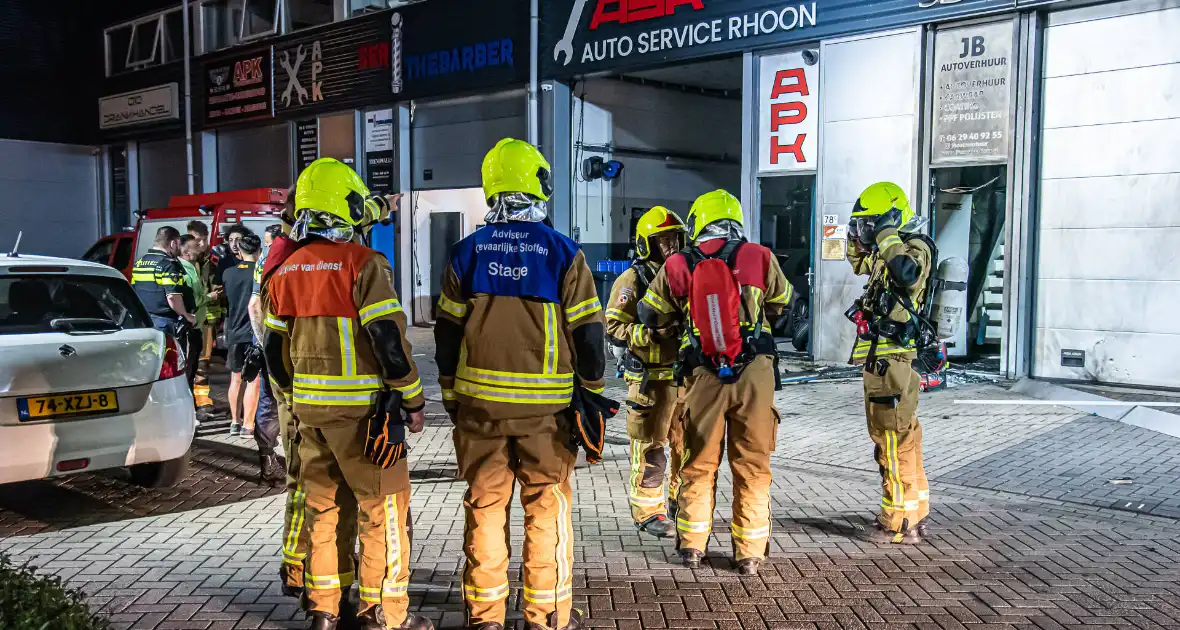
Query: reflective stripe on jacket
point(321, 299)
point(519, 292)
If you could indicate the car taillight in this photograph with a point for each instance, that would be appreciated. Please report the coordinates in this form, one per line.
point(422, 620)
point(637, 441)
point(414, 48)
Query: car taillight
point(173, 365)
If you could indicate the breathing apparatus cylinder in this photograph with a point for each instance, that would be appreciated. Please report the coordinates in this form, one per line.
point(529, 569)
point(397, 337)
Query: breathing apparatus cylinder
point(949, 302)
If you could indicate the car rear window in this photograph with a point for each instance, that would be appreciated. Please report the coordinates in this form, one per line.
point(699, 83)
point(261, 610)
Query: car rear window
point(30, 303)
point(123, 253)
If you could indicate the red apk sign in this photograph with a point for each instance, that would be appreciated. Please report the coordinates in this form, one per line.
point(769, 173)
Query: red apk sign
point(787, 82)
point(628, 11)
point(248, 72)
point(787, 128)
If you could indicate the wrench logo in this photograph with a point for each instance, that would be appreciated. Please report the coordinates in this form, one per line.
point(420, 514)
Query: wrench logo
point(566, 45)
point(293, 76)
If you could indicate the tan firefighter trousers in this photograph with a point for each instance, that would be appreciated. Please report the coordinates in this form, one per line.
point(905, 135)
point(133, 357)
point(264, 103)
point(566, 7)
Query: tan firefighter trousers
point(493, 457)
point(739, 417)
point(335, 472)
point(295, 534)
point(891, 406)
point(650, 425)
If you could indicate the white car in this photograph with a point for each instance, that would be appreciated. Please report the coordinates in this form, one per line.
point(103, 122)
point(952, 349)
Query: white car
point(86, 383)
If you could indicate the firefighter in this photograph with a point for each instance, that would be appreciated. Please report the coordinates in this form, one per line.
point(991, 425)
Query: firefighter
point(898, 265)
point(295, 534)
point(519, 328)
point(648, 357)
point(335, 348)
point(730, 404)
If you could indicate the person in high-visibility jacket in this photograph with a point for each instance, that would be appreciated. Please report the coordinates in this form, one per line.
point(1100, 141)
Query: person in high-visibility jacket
point(519, 328)
point(725, 409)
point(898, 263)
point(653, 421)
point(335, 348)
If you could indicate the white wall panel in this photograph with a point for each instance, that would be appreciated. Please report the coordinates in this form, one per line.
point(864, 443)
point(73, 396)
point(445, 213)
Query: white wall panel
point(1104, 150)
point(887, 85)
point(1108, 267)
point(860, 152)
point(1132, 306)
point(1129, 358)
point(1125, 253)
point(866, 137)
point(1131, 41)
point(49, 192)
point(1106, 97)
point(1102, 202)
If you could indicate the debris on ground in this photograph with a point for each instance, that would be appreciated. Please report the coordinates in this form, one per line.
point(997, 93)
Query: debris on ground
point(795, 369)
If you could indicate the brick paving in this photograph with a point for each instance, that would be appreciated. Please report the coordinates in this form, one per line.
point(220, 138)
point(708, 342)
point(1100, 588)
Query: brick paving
point(218, 475)
point(1009, 556)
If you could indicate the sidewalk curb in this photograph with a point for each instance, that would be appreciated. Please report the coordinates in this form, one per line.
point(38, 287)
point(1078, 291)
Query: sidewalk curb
point(1139, 416)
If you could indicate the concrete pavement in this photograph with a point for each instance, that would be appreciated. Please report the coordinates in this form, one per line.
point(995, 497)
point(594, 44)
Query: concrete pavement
point(1027, 532)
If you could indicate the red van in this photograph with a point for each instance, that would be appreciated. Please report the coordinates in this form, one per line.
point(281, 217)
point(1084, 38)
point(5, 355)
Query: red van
point(255, 208)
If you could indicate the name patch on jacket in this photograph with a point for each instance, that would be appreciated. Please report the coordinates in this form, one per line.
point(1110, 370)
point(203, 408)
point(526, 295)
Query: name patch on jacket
point(516, 260)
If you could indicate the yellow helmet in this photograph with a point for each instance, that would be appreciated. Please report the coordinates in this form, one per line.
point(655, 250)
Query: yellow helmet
point(330, 186)
point(880, 198)
point(710, 208)
point(516, 166)
point(658, 219)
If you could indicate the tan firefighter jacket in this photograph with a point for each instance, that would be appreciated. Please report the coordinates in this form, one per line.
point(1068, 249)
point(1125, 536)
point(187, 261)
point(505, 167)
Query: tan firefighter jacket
point(889, 246)
point(333, 308)
point(519, 322)
point(656, 354)
point(765, 290)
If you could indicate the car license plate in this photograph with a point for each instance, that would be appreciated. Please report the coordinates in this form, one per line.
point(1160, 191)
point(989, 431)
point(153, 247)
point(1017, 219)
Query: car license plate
point(65, 405)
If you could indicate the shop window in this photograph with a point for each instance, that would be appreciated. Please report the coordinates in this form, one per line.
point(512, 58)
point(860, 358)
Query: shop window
point(221, 21)
point(259, 18)
point(118, 43)
point(361, 7)
point(308, 13)
point(144, 46)
point(172, 35)
point(149, 41)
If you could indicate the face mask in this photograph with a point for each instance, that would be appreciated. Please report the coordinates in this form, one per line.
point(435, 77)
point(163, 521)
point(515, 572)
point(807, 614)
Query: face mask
point(517, 207)
point(322, 225)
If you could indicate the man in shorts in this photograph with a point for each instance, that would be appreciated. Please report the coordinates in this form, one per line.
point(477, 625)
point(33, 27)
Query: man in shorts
point(239, 335)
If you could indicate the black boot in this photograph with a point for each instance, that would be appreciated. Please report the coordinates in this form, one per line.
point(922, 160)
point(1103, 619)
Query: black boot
point(658, 526)
point(749, 566)
point(290, 591)
point(691, 558)
point(415, 622)
point(487, 625)
point(577, 622)
point(270, 471)
point(321, 621)
point(877, 534)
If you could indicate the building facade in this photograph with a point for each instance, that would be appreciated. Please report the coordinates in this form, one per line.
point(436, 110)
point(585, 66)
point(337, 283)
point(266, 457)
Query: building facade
point(1016, 138)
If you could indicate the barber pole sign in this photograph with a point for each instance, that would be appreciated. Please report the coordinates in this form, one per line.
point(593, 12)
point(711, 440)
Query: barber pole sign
point(788, 102)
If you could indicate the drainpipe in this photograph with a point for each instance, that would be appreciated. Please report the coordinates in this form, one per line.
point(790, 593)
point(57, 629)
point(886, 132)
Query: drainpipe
point(188, 98)
point(534, 56)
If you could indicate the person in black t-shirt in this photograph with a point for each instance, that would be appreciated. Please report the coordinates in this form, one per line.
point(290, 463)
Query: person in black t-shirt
point(239, 335)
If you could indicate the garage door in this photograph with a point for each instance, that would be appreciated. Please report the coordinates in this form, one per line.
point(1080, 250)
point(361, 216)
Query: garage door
point(1108, 286)
point(450, 138)
point(49, 192)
